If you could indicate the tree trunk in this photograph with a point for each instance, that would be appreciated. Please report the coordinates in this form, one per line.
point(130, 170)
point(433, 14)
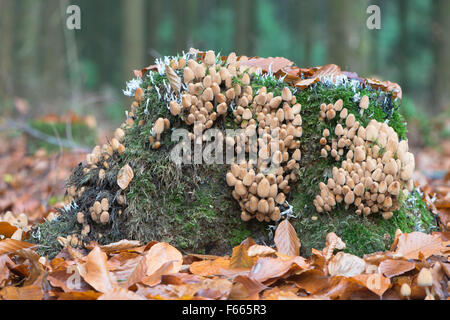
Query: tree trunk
point(133, 37)
point(441, 62)
point(6, 47)
point(244, 25)
point(403, 43)
point(339, 50)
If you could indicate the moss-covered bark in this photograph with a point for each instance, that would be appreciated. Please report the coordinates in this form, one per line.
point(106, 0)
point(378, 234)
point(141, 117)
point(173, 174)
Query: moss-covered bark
point(192, 207)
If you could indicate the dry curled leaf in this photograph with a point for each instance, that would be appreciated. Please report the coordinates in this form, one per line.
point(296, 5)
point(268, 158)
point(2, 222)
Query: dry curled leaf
point(269, 268)
point(174, 79)
point(11, 245)
point(124, 176)
point(286, 239)
point(210, 267)
point(240, 257)
point(6, 229)
point(411, 245)
point(31, 292)
point(95, 271)
point(266, 64)
point(375, 282)
point(392, 268)
point(345, 264)
point(161, 259)
point(120, 294)
point(303, 84)
point(120, 245)
point(259, 250)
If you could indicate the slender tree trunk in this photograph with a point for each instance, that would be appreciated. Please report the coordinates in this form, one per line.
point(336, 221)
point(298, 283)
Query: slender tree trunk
point(154, 12)
point(133, 37)
point(403, 43)
point(6, 47)
point(53, 67)
point(339, 51)
point(29, 47)
point(244, 26)
point(304, 23)
point(441, 62)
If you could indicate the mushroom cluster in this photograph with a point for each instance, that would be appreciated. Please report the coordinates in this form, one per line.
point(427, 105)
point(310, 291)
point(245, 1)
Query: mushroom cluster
point(377, 168)
point(213, 88)
point(262, 184)
point(210, 90)
point(99, 159)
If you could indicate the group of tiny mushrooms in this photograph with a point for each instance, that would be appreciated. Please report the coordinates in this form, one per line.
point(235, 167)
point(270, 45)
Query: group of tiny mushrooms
point(375, 173)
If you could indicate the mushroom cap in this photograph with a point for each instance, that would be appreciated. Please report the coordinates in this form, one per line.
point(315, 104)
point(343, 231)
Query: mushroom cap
point(210, 57)
point(188, 75)
point(240, 188)
point(231, 180)
point(104, 217)
point(263, 188)
point(286, 94)
point(364, 103)
point(425, 278)
point(159, 126)
point(263, 206)
point(405, 290)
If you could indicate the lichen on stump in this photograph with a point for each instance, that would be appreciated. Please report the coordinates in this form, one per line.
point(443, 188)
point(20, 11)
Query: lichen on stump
point(329, 153)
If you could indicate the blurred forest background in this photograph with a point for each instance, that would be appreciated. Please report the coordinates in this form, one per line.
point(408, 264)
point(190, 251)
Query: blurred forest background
point(46, 68)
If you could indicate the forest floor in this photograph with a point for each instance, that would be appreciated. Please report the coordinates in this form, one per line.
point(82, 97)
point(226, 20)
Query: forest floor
point(34, 185)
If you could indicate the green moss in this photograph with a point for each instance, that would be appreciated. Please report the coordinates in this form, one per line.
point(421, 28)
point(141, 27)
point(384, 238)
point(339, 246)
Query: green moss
point(46, 234)
point(361, 234)
point(238, 235)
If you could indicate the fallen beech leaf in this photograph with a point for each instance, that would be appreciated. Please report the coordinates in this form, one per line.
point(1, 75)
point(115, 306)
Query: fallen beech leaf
point(180, 278)
point(303, 84)
point(278, 294)
point(410, 245)
point(174, 79)
point(329, 71)
point(252, 285)
point(161, 253)
point(375, 282)
point(7, 229)
point(32, 292)
point(258, 250)
point(162, 258)
point(240, 258)
point(266, 64)
point(120, 294)
point(345, 264)
point(11, 245)
point(209, 267)
point(312, 281)
point(36, 271)
point(386, 86)
point(214, 288)
point(340, 288)
point(95, 272)
point(392, 268)
point(67, 280)
point(5, 264)
point(124, 176)
point(268, 268)
point(121, 245)
point(74, 295)
point(155, 277)
point(286, 239)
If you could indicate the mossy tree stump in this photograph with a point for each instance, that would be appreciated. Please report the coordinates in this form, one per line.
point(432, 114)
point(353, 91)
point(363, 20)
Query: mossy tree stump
point(191, 206)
